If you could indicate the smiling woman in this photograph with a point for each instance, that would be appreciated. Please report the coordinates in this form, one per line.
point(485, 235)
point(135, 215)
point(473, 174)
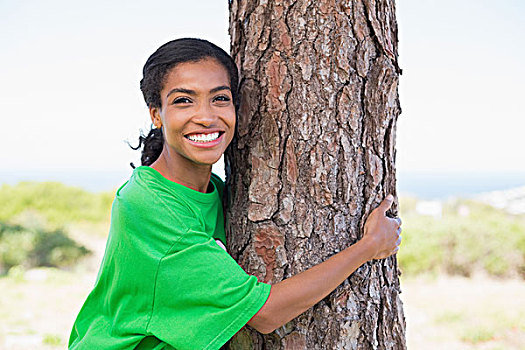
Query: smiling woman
point(157, 73)
point(197, 118)
point(166, 280)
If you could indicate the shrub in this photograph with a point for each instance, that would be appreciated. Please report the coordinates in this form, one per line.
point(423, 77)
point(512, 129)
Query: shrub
point(56, 202)
point(488, 239)
point(31, 247)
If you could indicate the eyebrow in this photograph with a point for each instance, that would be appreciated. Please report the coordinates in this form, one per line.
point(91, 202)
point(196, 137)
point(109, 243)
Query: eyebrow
point(192, 92)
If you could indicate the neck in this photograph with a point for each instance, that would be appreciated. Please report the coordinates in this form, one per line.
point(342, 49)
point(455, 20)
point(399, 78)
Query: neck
point(180, 170)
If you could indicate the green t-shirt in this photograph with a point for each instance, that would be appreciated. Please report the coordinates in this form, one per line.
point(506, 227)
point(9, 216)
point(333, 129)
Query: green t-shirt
point(164, 281)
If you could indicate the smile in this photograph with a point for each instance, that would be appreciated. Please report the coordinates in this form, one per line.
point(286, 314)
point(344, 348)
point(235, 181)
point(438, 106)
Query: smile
point(203, 138)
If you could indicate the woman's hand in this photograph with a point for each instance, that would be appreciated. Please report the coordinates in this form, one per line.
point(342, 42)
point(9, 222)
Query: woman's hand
point(383, 233)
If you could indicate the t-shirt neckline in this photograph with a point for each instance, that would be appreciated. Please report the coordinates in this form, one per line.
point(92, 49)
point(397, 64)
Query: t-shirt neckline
point(190, 192)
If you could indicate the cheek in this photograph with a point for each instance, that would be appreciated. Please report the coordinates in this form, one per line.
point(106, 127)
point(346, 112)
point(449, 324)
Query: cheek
point(233, 118)
point(175, 122)
point(233, 122)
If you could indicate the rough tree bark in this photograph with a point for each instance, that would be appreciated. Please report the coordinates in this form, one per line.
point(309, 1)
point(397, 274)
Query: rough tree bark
point(313, 155)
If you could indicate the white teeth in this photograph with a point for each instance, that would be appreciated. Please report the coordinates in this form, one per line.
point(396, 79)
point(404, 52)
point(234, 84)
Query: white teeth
point(204, 137)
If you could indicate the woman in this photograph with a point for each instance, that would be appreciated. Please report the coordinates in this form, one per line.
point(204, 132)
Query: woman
point(166, 280)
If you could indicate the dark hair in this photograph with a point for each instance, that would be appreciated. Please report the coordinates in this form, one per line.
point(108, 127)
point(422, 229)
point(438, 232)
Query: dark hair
point(154, 74)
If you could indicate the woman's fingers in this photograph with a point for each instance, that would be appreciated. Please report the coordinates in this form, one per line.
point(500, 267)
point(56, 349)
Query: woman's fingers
point(385, 230)
point(398, 219)
point(386, 203)
point(393, 250)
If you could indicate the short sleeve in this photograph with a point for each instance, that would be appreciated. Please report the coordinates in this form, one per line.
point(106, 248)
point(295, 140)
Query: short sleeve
point(202, 296)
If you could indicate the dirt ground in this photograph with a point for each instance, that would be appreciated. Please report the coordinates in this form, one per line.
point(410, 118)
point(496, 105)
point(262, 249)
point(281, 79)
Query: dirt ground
point(38, 307)
point(464, 313)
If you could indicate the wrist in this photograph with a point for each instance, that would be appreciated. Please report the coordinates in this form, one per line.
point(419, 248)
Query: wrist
point(368, 246)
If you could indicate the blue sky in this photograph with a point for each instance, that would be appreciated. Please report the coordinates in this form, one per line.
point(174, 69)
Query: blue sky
point(70, 73)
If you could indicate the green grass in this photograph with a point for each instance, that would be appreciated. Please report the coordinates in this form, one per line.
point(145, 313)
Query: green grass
point(488, 324)
point(449, 317)
point(52, 339)
point(36, 219)
point(486, 240)
point(476, 335)
point(56, 203)
point(35, 246)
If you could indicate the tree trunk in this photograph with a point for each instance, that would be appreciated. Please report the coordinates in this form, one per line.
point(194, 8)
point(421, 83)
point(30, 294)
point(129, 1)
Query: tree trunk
point(313, 155)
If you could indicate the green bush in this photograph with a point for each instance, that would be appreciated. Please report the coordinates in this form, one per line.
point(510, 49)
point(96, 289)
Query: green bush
point(487, 240)
point(52, 340)
point(31, 247)
point(56, 202)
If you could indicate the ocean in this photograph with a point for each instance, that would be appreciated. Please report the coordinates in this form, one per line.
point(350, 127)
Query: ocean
point(442, 185)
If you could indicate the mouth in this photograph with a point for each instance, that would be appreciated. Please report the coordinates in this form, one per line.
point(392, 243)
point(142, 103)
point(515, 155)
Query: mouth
point(204, 137)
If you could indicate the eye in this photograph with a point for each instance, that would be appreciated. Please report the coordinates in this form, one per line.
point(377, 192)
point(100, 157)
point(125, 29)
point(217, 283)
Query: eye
point(222, 98)
point(181, 100)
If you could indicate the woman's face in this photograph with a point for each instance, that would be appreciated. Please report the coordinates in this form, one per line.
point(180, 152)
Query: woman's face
point(197, 112)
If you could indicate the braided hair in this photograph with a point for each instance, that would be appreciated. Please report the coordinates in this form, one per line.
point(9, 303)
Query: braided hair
point(155, 71)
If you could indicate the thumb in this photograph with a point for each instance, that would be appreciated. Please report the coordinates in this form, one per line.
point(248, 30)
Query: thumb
point(386, 203)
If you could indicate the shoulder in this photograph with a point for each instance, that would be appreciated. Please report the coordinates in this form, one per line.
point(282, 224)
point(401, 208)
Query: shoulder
point(145, 196)
point(150, 215)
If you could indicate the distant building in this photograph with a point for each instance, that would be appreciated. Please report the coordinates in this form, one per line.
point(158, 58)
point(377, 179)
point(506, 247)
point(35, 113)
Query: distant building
point(430, 208)
point(463, 210)
point(512, 201)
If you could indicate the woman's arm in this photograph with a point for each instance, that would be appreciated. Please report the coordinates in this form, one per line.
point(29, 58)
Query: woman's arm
point(291, 297)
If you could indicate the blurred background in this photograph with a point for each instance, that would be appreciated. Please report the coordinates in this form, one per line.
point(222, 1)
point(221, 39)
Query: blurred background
point(70, 102)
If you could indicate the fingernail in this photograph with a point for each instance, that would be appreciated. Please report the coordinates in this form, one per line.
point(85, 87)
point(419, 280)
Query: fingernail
point(390, 197)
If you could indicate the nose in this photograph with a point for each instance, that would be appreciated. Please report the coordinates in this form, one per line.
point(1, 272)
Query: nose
point(205, 115)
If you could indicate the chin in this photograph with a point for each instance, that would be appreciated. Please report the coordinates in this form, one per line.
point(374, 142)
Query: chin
point(208, 161)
